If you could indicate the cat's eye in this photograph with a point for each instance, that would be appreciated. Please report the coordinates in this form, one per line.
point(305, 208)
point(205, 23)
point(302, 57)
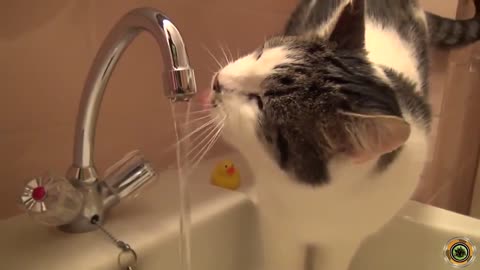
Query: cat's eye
point(216, 84)
point(257, 99)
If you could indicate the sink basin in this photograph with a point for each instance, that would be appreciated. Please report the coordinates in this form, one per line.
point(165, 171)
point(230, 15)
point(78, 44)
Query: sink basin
point(224, 234)
point(415, 240)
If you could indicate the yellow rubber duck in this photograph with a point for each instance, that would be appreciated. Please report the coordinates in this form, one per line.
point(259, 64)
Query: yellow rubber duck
point(225, 175)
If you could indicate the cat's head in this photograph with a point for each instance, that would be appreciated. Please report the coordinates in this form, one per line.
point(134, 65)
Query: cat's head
point(305, 100)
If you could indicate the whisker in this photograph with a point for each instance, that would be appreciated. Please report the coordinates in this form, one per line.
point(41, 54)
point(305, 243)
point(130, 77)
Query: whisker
point(201, 110)
point(205, 139)
point(225, 55)
point(213, 56)
point(193, 125)
point(205, 109)
point(189, 159)
point(197, 130)
point(204, 146)
point(210, 145)
point(208, 110)
point(202, 107)
point(192, 122)
point(206, 127)
point(177, 143)
point(195, 120)
point(219, 125)
point(196, 140)
point(197, 117)
point(230, 53)
point(198, 102)
point(202, 135)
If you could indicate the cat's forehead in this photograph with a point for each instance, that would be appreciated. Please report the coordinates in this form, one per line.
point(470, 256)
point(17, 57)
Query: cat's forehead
point(247, 73)
point(277, 55)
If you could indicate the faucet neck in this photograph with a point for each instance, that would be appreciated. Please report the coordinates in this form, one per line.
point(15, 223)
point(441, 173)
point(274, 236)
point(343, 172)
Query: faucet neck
point(177, 72)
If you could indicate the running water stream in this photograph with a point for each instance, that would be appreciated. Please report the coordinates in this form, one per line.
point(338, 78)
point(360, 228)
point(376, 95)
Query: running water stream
point(181, 129)
point(196, 133)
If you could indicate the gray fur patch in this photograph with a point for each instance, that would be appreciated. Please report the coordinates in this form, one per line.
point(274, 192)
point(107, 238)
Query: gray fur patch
point(300, 123)
point(400, 15)
point(385, 160)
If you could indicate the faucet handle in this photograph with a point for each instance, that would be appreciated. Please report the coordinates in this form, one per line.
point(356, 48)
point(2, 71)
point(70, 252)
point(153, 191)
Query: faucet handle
point(126, 177)
point(51, 200)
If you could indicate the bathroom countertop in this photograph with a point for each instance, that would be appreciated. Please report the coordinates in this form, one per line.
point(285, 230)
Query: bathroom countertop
point(439, 218)
point(140, 222)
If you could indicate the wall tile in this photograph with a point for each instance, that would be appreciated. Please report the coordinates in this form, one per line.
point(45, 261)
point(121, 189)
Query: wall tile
point(32, 153)
point(45, 63)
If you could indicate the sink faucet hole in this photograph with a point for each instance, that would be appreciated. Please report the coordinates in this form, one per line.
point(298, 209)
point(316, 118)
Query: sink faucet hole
point(95, 219)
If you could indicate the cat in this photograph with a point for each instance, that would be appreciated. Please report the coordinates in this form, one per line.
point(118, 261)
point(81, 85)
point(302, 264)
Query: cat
point(332, 116)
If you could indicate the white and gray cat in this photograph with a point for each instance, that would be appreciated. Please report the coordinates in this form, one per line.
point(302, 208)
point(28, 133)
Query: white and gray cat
point(333, 119)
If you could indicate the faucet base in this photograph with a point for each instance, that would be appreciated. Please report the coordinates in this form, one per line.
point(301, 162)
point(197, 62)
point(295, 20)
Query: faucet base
point(79, 175)
point(85, 181)
point(125, 178)
point(79, 225)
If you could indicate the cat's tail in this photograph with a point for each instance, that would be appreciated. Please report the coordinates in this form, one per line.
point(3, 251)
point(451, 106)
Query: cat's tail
point(446, 32)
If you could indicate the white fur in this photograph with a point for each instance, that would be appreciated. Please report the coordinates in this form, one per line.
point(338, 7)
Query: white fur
point(245, 74)
point(386, 47)
point(336, 217)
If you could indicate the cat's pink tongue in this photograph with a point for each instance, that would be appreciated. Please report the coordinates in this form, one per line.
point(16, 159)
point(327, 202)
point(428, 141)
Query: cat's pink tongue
point(205, 97)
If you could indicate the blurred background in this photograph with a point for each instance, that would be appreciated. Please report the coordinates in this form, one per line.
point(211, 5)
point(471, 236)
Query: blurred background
point(46, 48)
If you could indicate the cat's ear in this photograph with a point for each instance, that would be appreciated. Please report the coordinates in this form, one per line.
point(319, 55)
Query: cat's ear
point(371, 136)
point(348, 30)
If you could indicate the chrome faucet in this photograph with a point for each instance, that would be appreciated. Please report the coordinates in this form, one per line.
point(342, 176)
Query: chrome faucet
point(133, 171)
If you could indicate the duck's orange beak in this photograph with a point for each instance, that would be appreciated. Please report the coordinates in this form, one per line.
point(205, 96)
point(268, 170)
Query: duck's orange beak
point(231, 170)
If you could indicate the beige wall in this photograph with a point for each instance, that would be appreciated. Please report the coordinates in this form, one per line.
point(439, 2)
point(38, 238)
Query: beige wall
point(450, 173)
point(46, 48)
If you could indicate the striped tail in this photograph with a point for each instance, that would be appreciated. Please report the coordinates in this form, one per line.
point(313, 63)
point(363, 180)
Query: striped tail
point(446, 32)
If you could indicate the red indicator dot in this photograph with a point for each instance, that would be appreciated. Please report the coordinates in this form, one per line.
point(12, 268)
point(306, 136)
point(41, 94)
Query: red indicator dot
point(39, 193)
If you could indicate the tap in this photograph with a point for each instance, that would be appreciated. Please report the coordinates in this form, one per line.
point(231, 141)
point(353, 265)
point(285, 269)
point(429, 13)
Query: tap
point(133, 172)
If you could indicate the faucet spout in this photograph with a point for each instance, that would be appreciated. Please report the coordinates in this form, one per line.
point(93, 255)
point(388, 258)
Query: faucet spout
point(178, 74)
point(132, 172)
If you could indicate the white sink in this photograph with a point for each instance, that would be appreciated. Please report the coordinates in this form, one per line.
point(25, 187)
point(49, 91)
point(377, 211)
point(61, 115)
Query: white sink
point(224, 234)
